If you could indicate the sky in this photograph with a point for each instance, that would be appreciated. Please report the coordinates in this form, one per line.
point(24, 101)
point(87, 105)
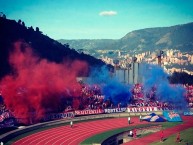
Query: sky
point(97, 19)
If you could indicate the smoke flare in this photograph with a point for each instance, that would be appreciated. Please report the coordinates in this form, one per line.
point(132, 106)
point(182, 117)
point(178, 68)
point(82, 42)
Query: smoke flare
point(111, 88)
point(154, 76)
point(36, 85)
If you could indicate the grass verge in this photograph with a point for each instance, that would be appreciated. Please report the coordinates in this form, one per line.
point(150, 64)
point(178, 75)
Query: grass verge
point(99, 138)
point(185, 136)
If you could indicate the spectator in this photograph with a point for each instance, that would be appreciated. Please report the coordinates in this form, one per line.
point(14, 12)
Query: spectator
point(162, 136)
point(178, 137)
point(135, 133)
point(140, 118)
point(131, 133)
point(71, 124)
point(129, 120)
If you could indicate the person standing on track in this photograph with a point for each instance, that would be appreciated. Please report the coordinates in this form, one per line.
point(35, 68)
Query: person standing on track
point(134, 133)
point(131, 133)
point(178, 137)
point(162, 136)
point(129, 120)
point(71, 124)
point(140, 118)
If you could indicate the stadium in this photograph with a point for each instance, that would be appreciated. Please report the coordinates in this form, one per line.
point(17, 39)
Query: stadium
point(51, 94)
point(104, 111)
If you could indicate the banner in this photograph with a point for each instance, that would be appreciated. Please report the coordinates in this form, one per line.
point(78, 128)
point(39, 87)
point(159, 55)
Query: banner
point(142, 109)
point(172, 116)
point(58, 116)
point(115, 110)
point(188, 113)
point(88, 112)
point(153, 118)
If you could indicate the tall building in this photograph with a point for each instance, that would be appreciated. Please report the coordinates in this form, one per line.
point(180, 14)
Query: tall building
point(191, 59)
point(129, 75)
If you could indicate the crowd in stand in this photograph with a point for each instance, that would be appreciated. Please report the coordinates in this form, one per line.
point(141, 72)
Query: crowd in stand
point(147, 98)
point(142, 99)
point(2, 105)
point(189, 95)
point(4, 112)
point(2, 108)
point(92, 98)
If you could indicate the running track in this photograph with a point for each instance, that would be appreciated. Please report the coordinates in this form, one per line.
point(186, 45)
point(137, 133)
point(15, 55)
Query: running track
point(156, 136)
point(73, 136)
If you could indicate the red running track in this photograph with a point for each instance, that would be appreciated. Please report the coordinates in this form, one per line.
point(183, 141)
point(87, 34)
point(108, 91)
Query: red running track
point(187, 123)
point(73, 136)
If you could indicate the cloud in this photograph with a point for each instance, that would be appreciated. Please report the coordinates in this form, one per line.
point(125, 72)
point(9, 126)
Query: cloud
point(108, 13)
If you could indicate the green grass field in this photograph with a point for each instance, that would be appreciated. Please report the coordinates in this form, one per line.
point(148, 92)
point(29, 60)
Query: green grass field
point(99, 138)
point(186, 138)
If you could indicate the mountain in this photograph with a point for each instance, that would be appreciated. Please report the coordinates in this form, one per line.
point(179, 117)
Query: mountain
point(150, 39)
point(89, 43)
point(43, 46)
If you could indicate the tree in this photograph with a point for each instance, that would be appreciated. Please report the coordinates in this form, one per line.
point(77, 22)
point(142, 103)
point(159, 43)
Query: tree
point(37, 29)
point(31, 29)
point(23, 24)
point(181, 78)
point(19, 21)
point(2, 15)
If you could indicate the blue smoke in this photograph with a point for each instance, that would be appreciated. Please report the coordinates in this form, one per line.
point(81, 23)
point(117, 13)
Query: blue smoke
point(111, 88)
point(154, 76)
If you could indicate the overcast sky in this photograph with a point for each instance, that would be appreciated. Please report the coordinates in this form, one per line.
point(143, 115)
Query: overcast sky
point(97, 19)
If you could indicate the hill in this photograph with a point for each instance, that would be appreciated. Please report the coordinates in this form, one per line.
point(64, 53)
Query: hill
point(177, 37)
point(43, 46)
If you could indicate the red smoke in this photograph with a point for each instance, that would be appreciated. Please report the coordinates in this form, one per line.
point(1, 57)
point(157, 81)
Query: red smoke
point(37, 84)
